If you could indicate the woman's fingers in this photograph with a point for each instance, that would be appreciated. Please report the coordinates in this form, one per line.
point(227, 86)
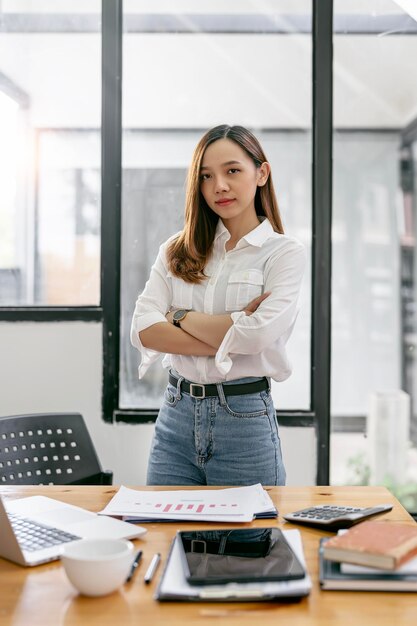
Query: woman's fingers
point(253, 304)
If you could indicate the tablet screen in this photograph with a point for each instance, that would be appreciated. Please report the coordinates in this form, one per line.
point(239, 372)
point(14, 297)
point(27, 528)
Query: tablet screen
point(243, 555)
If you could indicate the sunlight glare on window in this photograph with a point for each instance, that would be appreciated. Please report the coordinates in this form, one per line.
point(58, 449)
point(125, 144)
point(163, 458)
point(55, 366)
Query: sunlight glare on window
point(9, 153)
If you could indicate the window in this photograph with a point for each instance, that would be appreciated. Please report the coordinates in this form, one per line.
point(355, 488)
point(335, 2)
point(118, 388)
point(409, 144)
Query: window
point(166, 111)
point(374, 419)
point(50, 112)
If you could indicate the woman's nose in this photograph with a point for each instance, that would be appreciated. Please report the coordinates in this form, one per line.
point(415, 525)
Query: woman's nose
point(221, 184)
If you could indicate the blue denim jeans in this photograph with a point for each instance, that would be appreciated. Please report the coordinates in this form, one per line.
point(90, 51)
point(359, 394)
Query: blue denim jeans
point(219, 440)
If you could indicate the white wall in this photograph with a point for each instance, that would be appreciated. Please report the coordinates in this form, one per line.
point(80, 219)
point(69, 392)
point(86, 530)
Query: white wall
point(46, 367)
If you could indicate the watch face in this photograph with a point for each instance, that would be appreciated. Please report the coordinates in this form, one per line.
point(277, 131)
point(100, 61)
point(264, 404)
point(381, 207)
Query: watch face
point(179, 315)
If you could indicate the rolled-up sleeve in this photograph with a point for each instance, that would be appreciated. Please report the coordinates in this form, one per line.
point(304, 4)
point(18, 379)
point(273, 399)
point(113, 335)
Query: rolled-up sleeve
point(151, 307)
point(275, 317)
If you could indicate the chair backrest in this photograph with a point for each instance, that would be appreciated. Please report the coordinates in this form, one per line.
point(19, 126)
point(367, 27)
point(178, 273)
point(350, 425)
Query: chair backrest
point(50, 448)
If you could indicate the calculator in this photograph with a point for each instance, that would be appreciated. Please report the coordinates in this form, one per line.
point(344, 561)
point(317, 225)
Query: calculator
point(331, 517)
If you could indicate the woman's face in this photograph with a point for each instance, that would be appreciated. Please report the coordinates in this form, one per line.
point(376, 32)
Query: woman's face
point(229, 179)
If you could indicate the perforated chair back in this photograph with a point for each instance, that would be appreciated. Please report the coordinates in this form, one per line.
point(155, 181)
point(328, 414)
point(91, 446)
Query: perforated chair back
point(50, 448)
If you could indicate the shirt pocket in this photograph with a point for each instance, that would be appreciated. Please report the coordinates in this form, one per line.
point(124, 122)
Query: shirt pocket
point(242, 287)
point(182, 293)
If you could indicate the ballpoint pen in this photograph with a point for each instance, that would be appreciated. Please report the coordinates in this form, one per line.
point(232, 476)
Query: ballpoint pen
point(134, 565)
point(152, 568)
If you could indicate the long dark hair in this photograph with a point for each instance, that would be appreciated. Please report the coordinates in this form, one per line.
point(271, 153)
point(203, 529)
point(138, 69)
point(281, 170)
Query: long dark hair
point(188, 254)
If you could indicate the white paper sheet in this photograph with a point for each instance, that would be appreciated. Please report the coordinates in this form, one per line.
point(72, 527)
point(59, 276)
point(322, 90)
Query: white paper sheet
point(175, 585)
point(235, 504)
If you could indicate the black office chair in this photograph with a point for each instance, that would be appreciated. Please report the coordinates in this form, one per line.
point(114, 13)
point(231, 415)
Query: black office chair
point(50, 448)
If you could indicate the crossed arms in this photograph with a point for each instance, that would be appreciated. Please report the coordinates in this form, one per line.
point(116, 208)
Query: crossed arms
point(200, 334)
point(249, 331)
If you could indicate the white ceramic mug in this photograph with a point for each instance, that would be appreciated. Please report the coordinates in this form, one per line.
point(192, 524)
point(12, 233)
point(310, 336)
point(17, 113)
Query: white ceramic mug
point(97, 567)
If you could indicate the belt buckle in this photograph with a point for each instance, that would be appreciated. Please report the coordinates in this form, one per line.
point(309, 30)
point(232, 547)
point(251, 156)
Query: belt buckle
point(203, 390)
point(198, 542)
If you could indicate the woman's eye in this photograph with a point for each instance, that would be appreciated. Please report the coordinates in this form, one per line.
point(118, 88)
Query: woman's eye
point(205, 176)
point(233, 171)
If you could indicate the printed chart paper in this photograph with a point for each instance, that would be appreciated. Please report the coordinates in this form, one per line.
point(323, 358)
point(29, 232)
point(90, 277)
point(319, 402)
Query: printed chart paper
point(237, 504)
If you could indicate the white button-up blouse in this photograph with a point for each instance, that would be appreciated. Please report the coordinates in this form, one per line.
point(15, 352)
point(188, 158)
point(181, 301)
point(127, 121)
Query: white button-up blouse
point(254, 345)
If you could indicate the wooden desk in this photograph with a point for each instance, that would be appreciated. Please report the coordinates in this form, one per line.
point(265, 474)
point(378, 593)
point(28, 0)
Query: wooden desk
point(42, 596)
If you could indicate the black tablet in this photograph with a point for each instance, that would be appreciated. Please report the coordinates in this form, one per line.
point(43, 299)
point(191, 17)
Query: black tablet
point(243, 555)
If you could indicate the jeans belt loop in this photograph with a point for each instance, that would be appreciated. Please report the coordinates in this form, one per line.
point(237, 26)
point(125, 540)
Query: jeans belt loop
point(180, 379)
point(221, 394)
point(203, 391)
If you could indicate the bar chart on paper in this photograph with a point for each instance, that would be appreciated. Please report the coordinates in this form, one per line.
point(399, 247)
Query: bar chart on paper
point(238, 504)
point(185, 506)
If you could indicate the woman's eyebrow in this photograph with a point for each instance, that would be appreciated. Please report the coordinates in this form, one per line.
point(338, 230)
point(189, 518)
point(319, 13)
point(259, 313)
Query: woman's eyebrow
point(205, 167)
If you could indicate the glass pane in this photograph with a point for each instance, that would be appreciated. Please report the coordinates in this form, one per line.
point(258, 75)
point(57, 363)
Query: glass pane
point(374, 424)
point(166, 111)
point(50, 116)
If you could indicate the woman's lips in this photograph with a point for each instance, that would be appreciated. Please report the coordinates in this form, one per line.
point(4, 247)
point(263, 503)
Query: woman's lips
point(225, 202)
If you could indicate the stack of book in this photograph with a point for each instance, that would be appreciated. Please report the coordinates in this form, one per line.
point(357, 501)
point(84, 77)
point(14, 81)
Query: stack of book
point(372, 556)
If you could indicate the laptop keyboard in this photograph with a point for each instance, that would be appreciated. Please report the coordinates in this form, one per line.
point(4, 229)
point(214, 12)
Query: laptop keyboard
point(34, 536)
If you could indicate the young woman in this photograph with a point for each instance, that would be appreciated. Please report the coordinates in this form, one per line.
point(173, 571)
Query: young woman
point(221, 302)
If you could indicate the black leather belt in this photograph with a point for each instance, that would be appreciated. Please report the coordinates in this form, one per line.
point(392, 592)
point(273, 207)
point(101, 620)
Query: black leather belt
point(203, 391)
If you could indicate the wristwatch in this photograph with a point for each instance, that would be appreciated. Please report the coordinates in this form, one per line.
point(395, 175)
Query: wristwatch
point(178, 316)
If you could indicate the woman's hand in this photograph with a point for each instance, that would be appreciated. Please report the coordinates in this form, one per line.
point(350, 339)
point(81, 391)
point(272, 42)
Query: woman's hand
point(253, 304)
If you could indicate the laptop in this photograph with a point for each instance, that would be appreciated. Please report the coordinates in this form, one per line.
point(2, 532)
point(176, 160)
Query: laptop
point(35, 529)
